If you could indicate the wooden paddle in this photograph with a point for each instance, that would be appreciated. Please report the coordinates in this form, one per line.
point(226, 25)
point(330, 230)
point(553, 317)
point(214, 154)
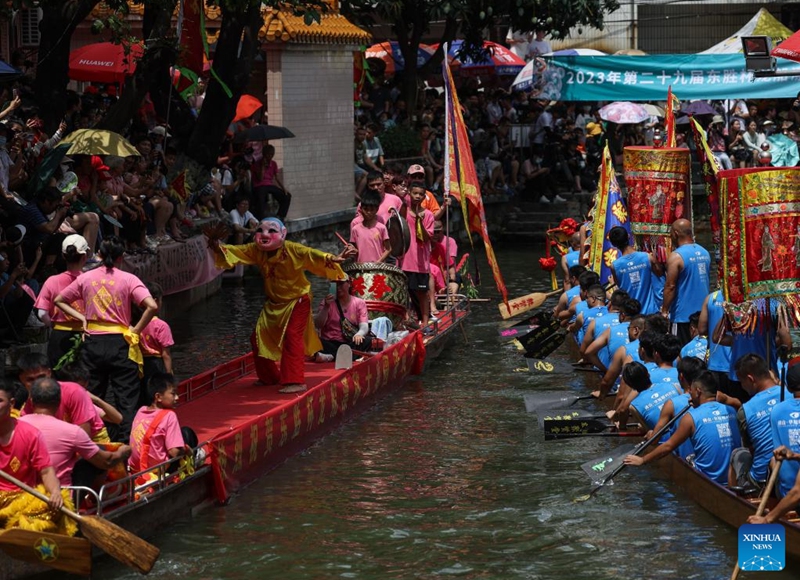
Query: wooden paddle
point(763, 503)
point(118, 543)
point(73, 555)
point(561, 428)
point(524, 303)
point(535, 402)
point(620, 465)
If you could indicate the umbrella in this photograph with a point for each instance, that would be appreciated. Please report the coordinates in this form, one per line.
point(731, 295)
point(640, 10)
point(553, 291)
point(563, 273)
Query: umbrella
point(654, 110)
point(8, 72)
point(789, 48)
point(104, 62)
point(784, 150)
point(624, 113)
point(99, 142)
point(532, 71)
point(576, 52)
point(248, 104)
point(498, 61)
point(389, 53)
point(263, 133)
point(698, 108)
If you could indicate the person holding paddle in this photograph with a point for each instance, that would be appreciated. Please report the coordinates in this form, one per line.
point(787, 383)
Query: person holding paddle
point(711, 427)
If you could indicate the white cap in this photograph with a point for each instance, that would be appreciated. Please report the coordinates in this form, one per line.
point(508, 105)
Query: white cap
point(160, 130)
point(77, 240)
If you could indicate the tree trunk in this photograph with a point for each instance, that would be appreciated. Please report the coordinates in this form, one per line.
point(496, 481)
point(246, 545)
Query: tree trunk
point(59, 21)
point(233, 62)
point(151, 68)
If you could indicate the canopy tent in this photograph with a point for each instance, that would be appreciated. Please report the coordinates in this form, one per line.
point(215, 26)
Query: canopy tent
point(762, 24)
point(633, 78)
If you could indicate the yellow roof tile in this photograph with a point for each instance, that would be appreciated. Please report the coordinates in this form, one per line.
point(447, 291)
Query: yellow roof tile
point(282, 26)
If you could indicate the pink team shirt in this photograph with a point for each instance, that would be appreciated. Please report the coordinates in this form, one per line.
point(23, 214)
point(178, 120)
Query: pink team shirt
point(369, 241)
point(107, 295)
point(156, 336)
point(51, 288)
point(65, 444)
point(76, 405)
point(390, 201)
point(24, 456)
point(418, 257)
point(166, 436)
point(438, 277)
point(355, 312)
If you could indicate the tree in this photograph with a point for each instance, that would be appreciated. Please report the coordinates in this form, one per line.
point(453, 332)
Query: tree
point(411, 19)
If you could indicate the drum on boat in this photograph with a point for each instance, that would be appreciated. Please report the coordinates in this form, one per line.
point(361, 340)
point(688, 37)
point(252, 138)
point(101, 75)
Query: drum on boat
point(382, 286)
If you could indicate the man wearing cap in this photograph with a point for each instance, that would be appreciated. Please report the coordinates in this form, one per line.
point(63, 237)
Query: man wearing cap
point(417, 173)
point(718, 143)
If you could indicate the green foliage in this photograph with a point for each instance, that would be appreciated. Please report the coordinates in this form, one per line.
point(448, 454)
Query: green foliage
point(400, 141)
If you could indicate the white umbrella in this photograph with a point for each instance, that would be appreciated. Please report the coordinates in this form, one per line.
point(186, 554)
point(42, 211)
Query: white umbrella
point(624, 113)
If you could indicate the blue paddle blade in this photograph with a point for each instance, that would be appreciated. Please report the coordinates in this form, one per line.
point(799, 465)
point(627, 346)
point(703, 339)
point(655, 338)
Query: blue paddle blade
point(600, 467)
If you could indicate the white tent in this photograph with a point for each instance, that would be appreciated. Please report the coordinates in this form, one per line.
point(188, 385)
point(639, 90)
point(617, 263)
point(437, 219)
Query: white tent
point(762, 24)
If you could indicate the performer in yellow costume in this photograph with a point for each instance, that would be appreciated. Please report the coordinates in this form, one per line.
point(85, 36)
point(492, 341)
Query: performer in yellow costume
point(285, 330)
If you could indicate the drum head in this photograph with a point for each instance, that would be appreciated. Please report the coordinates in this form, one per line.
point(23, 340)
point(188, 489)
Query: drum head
point(399, 235)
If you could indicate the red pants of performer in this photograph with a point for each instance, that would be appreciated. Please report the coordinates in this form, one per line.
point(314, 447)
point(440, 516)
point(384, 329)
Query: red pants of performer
point(292, 369)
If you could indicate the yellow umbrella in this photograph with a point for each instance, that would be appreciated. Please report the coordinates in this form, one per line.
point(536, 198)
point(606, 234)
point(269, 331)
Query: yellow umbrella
point(99, 142)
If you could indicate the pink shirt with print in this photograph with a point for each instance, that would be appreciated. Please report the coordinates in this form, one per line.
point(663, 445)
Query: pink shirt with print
point(107, 294)
point(156, 336)
point(355, 312)
point(24, 456)
point(76, 405)
point(418, 257)
point(166, 436)
point(369, 240)
point(51, 288)
point(65, 442)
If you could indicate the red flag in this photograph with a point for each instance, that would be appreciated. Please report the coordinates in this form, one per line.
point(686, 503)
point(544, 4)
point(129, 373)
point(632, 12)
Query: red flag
point(192, 43)
point(669, 120)
point(178, 187)
point(461, 178)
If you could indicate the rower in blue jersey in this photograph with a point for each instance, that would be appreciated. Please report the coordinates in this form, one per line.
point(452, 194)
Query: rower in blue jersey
point(588, 310)
point(689, 369)
point(571, 258)
point(719, 356)
point(585, 281)
point(711, 427)
point(573, 294)
point(602, 349)
point(633, 270)
point(698, 346)
point(749, 464)
point(687, 282)
point(785, 422)
point(605, 321)
point(645, 398)
point(666, 349)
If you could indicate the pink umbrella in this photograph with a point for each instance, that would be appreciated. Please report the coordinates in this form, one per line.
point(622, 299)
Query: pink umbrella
point(104, 62)
point(624, 113)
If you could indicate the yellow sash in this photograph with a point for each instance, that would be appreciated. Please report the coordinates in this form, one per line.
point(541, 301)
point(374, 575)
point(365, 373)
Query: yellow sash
point(134, 352)
point(69, 326)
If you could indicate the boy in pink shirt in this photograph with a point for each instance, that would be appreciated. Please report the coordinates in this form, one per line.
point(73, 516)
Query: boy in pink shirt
point(417, 261)
point(370, 237)
point(155, 342)
point(389, 201)
point(156, 434)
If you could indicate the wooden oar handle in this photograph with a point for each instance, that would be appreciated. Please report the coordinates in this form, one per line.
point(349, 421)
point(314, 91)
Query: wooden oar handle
point(34, 492)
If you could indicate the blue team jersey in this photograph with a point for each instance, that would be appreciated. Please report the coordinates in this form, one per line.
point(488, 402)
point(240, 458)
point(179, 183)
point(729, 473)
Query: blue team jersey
point(693, 282)
point(604, 322)
point(715, 437)
point(756, 343)
point(618, 336)
point(757, 413)
point(657, 285)
point(632, 349)
point(697, 347)
point(679, 403)
point(649, 402)
point(632, 274)
point(719, 357)
point(589, 314)
point(573, 258)
point(665, 375)
point(785, 421)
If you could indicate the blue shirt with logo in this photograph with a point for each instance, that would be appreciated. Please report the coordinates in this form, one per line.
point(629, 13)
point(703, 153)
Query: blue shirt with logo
point(693, 282)
point(573, 257)
point(785, 421)
point(757, 413)
point(679, 403)
point(697, 347)
point(649, 402)
point(665, 375)
point(618, 336)
point(632, 274)
point(632, 349)
point(719, 357)
point(589, 314)
point(715, 437)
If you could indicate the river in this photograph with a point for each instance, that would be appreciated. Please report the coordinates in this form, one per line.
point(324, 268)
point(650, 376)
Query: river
point(448, 477)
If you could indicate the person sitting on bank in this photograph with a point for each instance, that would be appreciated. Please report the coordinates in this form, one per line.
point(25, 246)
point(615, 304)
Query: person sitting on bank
point(711, 427)
point(156, 433)
point(23, 453)
point(342, 319)
point(369, 237)
point(244, 223)
point(65, 442)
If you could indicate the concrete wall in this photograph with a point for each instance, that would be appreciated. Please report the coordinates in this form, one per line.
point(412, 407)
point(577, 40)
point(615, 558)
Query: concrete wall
point(310, 91)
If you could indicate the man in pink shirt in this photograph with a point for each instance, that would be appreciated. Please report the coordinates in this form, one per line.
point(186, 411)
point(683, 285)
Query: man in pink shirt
point(156, 434)
point(369, 236)
point(329, 322)
point(65, 443)
point(75, 405)
point(389, 201)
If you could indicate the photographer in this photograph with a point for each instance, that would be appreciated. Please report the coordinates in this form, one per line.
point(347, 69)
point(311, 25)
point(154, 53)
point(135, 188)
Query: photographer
point(41, 229)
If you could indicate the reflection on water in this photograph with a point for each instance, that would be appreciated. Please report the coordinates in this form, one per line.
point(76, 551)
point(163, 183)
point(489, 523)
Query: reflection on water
point(450, 476)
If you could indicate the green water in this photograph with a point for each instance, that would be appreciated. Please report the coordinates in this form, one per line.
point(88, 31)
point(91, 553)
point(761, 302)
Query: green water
point(447, 477)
